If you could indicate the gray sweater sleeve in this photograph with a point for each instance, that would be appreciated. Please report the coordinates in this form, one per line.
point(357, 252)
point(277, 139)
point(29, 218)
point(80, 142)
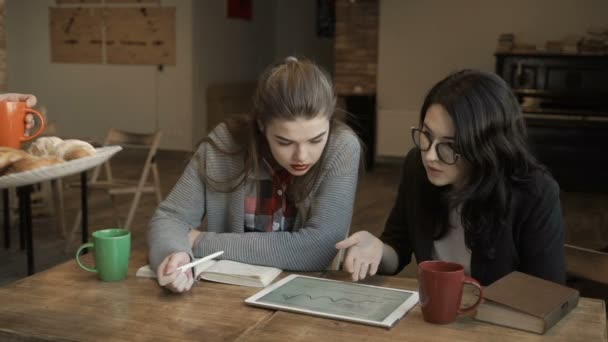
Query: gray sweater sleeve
point(311, 247)
point(182, 210)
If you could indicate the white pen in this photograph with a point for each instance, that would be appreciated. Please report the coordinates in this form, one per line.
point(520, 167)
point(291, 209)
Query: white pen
point(196, 262)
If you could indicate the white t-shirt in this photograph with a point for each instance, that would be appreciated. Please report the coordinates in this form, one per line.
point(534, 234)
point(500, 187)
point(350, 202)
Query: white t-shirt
point(452, 247)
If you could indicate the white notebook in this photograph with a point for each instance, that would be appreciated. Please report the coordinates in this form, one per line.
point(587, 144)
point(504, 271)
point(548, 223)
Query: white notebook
point(227, 271)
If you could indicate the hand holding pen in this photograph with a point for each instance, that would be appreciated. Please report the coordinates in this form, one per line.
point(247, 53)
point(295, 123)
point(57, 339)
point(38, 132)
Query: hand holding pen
point(171, 272)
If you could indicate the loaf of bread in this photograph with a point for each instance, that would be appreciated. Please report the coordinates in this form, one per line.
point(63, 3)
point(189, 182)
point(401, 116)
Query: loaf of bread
point(31, 163)
point(44, 146)
point(73, 149)
point(10, 155)
point(44, 151)
point(64, 149)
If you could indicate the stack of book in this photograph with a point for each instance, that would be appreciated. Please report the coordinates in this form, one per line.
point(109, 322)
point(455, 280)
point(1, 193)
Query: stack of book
point(570, 45)
point(596, 42)
point(524, 302)
point(506, 41)
point(553, 46)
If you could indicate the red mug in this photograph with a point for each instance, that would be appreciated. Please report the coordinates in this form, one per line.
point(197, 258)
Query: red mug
point(12, 123)
point(440, 285)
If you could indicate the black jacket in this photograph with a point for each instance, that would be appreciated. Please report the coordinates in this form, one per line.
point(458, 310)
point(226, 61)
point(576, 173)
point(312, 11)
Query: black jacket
point(533, 242)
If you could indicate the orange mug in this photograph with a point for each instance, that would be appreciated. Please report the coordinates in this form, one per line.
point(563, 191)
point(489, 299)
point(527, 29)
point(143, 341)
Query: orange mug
point(12, 123)
point(440, 286)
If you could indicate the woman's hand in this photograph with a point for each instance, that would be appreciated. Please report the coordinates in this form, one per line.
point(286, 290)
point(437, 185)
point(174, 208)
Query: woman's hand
point(363, 255)
point(29, 99)
point(169, 277)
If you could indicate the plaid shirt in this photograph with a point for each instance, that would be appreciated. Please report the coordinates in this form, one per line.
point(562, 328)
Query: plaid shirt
point(269, 210)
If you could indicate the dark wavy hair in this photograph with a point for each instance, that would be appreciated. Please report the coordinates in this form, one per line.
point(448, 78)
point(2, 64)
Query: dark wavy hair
point(491, 138)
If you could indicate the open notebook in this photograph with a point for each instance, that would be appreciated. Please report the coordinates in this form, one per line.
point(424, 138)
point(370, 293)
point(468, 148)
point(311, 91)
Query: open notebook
point(227, 271)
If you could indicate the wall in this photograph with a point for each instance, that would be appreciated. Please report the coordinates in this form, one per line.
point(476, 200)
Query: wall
point(3, 52)
point(228, 50)
point(295, 33)
point(423, 41)
point(87, 99)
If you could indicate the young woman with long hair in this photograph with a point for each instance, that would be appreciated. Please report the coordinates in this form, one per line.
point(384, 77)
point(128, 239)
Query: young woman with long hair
point(277, 186)
point(471, 192)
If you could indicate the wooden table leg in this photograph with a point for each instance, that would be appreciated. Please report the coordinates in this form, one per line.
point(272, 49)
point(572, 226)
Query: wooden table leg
point(7, 218)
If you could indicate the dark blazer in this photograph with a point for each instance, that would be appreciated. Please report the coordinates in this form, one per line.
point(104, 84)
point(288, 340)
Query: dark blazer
point(533, 242)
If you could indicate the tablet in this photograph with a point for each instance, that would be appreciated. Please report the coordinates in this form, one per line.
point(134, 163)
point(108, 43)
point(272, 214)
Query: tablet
point(353, 302)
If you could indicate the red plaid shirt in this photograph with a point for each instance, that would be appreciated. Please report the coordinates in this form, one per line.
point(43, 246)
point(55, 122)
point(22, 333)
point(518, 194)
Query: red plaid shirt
point(269, 210)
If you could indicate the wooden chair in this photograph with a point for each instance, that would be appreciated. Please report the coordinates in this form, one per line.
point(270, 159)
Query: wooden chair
point(587, 263)
point(115, 186)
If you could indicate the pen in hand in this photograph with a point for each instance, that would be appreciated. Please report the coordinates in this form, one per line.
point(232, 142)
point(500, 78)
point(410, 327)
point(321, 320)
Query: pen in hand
point(196, 262)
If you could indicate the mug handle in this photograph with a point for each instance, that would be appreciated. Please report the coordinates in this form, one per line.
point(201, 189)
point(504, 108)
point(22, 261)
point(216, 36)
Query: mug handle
point(86, 245)
point(471, 281)
point(40, 129)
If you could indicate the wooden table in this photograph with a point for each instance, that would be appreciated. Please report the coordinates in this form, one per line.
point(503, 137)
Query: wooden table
point(66, 303)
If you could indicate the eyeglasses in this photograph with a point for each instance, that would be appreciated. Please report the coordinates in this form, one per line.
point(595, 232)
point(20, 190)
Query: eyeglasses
point(445, 150)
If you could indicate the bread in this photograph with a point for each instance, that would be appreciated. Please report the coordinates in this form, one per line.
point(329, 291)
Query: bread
point(10, 155)
point(44, 151)
point(73, 149)
point(31, 163)
point(45, 146)
point(64, 149)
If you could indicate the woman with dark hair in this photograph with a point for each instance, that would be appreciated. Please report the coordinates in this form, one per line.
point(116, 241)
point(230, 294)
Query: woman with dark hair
point(276, 187)
point(471, 192)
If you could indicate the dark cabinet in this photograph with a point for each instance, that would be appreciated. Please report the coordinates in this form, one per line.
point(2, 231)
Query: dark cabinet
point(565, 102)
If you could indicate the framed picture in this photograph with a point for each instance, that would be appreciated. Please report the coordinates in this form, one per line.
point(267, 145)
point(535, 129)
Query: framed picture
point(239, 9)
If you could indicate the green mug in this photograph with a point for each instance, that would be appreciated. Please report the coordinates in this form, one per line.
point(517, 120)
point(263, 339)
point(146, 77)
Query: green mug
point(111, 249)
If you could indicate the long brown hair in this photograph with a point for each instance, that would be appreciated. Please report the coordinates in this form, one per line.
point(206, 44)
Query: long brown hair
point(290, 90)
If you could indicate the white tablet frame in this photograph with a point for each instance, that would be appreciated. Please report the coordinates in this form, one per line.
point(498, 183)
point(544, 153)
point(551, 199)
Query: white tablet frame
point(388, 322)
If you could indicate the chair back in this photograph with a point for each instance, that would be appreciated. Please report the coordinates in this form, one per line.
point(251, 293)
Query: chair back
point(587, 263)
point(149, 141)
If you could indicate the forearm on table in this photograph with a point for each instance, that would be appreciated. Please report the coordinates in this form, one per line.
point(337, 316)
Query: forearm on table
point(166, 236)
point(305, 250)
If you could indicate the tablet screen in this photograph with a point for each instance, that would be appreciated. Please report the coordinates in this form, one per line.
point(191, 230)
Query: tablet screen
point(336, 299)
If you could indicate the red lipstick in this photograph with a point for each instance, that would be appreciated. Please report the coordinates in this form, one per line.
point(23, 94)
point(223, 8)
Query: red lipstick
point(300, 167)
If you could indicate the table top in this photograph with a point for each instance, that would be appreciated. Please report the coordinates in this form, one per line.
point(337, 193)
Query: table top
point(68, 303)
point(59, 170)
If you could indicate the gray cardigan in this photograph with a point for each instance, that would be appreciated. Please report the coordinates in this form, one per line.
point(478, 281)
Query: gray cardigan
point(309, 247)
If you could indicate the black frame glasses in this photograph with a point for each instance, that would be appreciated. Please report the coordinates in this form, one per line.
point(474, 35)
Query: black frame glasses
point(445, 150)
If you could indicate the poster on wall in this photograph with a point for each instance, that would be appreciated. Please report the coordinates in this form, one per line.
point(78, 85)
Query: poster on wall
point(147, 2)
point(71, 2)
point(239, 9)
point(144, 35)
point(76, 35)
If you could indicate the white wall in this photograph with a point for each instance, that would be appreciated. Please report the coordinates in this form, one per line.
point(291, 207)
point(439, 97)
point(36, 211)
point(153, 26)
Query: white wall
point(228, 50)
point(420, 42)
point(296, 34)
point(87, 99)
